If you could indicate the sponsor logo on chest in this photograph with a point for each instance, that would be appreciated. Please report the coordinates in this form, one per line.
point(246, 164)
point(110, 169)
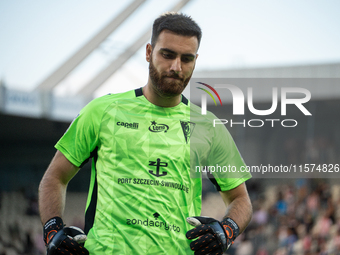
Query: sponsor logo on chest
point(128, 125)
point(156, 128)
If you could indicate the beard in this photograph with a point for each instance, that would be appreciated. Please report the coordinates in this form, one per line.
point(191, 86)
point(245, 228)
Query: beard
point(164, 86)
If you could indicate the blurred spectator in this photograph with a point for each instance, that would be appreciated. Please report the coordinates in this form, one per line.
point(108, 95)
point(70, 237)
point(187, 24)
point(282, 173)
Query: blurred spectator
point(39, 245)
point(323, 226)
point(262, 251)
point(246, 248)
point(281, 204)
point(33, 207)
point(260, 215)
point(313, 201)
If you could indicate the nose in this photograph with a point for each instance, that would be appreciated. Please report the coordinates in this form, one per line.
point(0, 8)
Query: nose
point(176, 65)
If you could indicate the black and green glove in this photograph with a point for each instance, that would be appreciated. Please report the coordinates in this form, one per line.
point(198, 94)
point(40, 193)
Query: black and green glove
point(214, 237)
point(60, 240)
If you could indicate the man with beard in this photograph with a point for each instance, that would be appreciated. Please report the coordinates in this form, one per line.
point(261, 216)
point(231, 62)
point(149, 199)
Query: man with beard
point(143, 196)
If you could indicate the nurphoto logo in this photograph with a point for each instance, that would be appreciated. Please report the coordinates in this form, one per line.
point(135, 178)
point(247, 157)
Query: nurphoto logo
point(204, 98)
point(239, 101)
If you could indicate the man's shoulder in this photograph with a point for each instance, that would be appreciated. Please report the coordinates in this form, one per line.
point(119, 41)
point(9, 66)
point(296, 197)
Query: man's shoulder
point(105, 101)
point(115, 96)
point(196, 112)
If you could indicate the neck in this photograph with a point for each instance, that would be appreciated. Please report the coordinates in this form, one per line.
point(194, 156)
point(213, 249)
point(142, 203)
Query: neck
point(153, 97)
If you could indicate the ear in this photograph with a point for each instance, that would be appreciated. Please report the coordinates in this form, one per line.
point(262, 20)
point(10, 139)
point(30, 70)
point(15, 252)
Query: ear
point(148, 52)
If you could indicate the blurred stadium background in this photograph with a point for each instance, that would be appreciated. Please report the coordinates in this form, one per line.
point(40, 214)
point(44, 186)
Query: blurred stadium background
point(291, 216)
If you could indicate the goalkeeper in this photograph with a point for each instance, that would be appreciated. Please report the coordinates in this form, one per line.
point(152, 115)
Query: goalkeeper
point(143, 197)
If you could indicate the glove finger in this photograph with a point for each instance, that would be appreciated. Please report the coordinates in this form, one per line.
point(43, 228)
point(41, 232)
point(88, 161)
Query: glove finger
point(198, 231)
point(76, 234)
point(216, 252)
point(80, 238)
point(196, 221)
point(68, 246)
point(65, 251)
point(202, 241)
point(73, 231)
point(209, 248)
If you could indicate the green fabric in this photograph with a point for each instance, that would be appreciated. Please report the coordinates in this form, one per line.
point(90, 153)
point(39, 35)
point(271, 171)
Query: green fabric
point(145, 188)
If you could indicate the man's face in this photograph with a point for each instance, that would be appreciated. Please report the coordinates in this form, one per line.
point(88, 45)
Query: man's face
point(172, 62)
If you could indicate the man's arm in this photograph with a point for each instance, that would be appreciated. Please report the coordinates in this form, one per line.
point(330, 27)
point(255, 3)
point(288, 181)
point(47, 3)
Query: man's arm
point(239, 206)
point(52, 188)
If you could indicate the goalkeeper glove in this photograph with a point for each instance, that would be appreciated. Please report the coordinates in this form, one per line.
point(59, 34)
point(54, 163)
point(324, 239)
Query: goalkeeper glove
point(215, 236)
point(60, 240)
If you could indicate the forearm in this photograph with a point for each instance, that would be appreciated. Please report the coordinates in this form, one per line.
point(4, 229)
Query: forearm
point(239, 207)
point(240, 210)
point(52, 188)
point(52, 195)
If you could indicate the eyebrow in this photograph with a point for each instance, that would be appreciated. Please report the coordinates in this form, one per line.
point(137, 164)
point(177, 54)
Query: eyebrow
point(173, 52)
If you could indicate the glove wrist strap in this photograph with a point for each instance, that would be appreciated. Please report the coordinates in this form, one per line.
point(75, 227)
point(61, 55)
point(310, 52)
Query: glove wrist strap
point(51, 227)
point(231, 228)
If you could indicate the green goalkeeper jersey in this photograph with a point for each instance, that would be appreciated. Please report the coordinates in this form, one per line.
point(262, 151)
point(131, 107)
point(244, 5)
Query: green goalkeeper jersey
point(144, 171)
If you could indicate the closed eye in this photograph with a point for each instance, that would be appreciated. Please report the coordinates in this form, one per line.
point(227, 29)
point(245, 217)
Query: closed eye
point(187, 59)
point(168, 55)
